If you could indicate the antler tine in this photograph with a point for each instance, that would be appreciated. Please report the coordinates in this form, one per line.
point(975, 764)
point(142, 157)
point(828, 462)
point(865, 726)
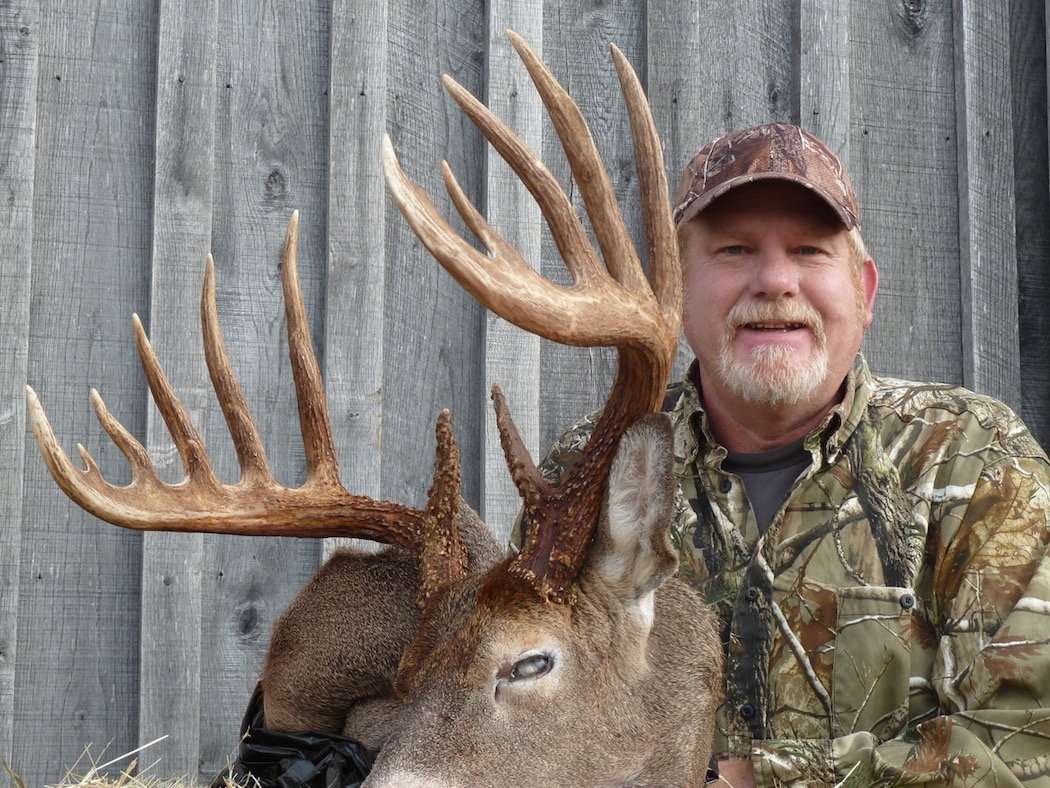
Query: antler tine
point(322, 465)
point(557, 210)
point(523, 471)
point(69, 477)
point(586, 165)
point(135, 452)
point(443, 558)
point(185, 436)
point(664, 265)
point(601, 314)
point(489, 235)
point(251, 456)
point(258, 505)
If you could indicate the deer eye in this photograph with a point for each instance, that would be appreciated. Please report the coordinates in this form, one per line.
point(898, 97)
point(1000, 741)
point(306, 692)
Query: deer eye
point(531, 667)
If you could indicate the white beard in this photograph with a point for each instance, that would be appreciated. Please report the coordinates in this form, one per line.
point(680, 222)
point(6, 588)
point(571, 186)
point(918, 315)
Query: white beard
point(774, 375)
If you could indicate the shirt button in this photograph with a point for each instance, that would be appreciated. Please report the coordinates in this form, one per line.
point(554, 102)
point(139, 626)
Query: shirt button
point(747, 711)
point(907, 601)
point(751, 594)
point(725, 485)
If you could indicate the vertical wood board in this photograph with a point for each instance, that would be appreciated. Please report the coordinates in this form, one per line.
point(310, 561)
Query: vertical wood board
point(353, 292)
point(747, 65)
point(824, 72)
point(19, 35)
point(1028, 64)
point(433, 348)
point(78, 639)
point(576, 38)
point(904, 167)
point(270, 158)
point(169, 690)
point(512, 357)
point(987, 245)
point(674, 40)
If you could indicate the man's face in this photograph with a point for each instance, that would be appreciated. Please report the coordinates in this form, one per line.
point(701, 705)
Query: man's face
point(775, 303)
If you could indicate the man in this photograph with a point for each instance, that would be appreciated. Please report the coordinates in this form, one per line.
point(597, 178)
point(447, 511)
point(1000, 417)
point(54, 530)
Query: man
point(876, 548)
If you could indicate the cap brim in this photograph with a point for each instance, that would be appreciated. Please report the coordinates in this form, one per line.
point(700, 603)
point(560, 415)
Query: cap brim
point(700, 203)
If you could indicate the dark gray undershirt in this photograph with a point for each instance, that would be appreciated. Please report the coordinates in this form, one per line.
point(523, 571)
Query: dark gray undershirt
point(768, 477)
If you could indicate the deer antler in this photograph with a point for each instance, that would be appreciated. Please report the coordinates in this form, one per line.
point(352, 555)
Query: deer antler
point(607, 305)
point(257, 505)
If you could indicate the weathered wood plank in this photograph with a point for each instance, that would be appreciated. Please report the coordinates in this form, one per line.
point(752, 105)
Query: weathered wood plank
point(169, 690)
point(673, 33)
point(824, 55)
point(747, 65)
point(19, 35)
point(270, 158)
point(433, 347)
point(1028, 62)
point(356, 205)
point(676, 96)
point(987, 245)
point(78, 639)
point(904, 167)
point(576, 38)
point(512, 357)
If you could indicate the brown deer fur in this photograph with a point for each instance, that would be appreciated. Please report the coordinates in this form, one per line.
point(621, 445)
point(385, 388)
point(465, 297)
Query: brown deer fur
point(629, 702)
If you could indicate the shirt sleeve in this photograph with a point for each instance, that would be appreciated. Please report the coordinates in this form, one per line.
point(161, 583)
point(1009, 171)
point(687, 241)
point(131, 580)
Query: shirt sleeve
point(989, 598)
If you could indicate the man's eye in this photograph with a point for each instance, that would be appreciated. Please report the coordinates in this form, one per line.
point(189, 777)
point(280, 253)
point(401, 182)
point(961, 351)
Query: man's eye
point(733, 249)
point(808, 250)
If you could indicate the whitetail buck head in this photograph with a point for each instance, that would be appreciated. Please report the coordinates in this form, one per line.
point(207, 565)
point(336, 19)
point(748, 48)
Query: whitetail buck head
point(580, 660)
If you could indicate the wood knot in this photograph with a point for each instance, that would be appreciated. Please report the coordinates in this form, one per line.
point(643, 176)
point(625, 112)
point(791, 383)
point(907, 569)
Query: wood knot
point(911, 17)
point(276, 185)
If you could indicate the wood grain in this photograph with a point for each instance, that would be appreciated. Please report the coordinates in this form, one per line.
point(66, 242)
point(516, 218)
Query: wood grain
point(1028, 64)
point(676, 96)
point(904, 166)
point(19, 36)
point(79, 600)
point(512, 357)
point(576, 38)
point(354, 297)
point(270, 158)
point(433, 347)
point(824, 72)
point(987, 245)
point(170, 666)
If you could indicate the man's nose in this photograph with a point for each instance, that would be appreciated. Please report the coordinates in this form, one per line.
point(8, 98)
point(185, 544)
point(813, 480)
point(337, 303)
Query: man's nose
point(775, 276)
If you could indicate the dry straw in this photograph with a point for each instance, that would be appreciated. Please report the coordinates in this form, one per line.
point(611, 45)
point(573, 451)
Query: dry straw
point(130, 777)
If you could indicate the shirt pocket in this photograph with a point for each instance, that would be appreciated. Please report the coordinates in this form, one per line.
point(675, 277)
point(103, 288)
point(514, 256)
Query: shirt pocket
point(872, 660)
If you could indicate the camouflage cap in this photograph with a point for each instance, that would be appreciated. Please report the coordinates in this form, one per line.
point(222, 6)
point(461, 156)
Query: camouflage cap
point(771, 151)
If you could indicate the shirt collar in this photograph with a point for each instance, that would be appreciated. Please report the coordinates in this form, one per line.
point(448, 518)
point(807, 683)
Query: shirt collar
point(685, 405)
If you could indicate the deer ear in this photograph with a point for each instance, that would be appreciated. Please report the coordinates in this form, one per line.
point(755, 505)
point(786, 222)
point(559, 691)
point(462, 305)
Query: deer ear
point(632, 553)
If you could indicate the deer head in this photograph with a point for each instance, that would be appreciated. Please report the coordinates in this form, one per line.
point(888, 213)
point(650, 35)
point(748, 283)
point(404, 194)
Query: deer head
point(577, 661)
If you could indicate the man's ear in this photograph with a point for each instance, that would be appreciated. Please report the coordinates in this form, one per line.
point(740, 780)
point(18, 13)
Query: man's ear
point(869, 280)
point(632, 553)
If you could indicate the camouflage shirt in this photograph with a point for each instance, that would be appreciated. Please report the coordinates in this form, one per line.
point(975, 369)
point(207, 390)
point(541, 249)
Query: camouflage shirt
point(892, 625)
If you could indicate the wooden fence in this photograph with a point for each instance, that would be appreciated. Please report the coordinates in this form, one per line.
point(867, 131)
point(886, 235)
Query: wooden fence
point(136, 136)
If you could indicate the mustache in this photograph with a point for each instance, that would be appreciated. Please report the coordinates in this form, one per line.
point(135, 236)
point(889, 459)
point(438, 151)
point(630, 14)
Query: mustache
point(782, 311)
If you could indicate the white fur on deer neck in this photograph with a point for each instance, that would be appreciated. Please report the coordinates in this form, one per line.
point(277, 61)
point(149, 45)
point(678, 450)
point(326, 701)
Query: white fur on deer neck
point(400, 779)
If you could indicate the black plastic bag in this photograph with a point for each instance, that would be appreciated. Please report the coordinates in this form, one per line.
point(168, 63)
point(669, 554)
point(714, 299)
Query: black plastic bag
point(276, 759)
